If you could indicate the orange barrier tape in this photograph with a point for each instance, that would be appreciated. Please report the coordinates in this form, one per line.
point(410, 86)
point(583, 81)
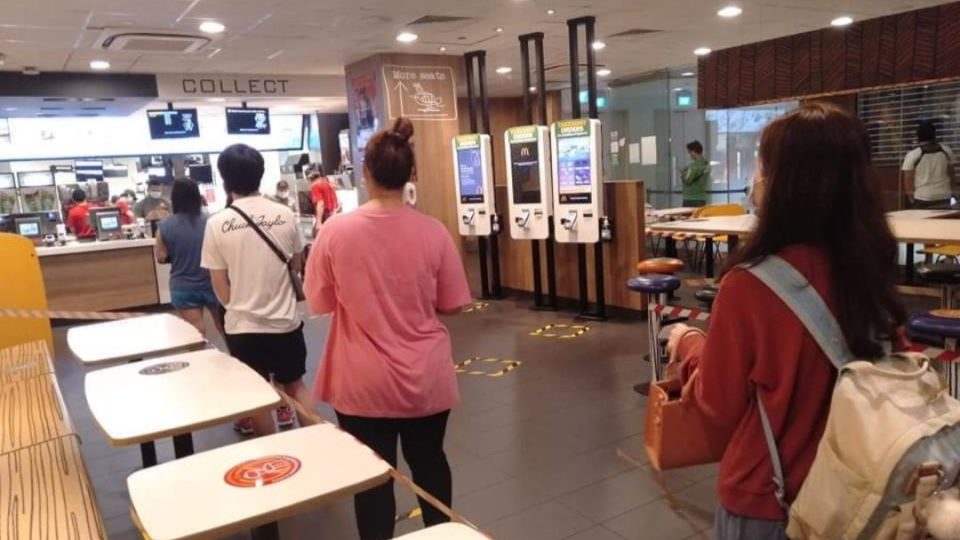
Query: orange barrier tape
point(8, 313)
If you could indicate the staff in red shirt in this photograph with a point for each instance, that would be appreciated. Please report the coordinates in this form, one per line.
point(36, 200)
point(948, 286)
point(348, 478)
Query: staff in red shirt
point(323, 196)
point(78, 219)
point(123, 203)
point(820, 209)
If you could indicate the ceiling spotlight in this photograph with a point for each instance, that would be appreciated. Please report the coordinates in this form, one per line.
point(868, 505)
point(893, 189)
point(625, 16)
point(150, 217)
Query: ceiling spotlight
point(406, 37)
point(845, 20)
point(599, 45)
point(503, 70)
point(679, 89)
point(10, 109)
point(212, 27)
point(99, 65)
point(499, 30)
point(604, 72)
point(702, 51)
point(551, 11)
point(730, 12)
point(533, 89)
point(217, 99)
point(443, 49)
point(687, 74)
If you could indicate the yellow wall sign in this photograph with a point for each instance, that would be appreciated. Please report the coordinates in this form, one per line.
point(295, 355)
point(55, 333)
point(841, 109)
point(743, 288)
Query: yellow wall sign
point(487, 366)
point(561, 331)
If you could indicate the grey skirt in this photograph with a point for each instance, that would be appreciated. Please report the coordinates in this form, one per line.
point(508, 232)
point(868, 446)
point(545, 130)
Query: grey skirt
point(729, 526)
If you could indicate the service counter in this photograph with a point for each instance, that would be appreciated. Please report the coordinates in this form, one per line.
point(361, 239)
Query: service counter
point(102, 276)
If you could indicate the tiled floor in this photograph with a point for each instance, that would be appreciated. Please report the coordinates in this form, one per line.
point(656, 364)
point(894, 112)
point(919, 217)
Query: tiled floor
point(534, 452)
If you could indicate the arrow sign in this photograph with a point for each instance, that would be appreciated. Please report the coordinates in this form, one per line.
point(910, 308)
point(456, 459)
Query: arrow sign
point(400, 88)
point(420, 92)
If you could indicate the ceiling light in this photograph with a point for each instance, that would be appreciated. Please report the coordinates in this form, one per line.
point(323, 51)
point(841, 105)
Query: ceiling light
point(99, 64)
point(443, 49)
point(604, 72)
point(687, 74)
point(10, 109)
point(730, 12)
point(499, 30)
point(551, 11)
point(678, 89)
point(217, 99)
point(845, 20)
point(503, 70)
point(212, 27)
point(406, 37)
point(599, 45)
point(533, 89)
point(702, 51)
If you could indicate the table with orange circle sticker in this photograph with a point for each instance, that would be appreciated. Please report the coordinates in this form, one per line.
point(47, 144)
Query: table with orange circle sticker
point(253, 483)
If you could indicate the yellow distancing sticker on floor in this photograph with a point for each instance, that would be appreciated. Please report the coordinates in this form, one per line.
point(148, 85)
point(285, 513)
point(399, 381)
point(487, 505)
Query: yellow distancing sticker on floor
point(477, 306)
point(561, 331)
point(500, 367)
point(412, 514)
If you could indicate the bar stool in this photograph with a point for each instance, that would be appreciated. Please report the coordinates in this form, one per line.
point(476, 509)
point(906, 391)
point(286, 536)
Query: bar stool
point(706, 296)
point(658, 286)
point(947, 276)
point(943, 325)
point(659, 265)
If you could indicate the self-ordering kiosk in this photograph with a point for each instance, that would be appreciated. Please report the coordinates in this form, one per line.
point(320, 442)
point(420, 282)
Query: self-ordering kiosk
point(473, 171)
point(578, 181)
point(529, 181)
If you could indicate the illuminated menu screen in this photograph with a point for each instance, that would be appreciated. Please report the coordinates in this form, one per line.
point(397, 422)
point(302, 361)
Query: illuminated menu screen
point(573, 170)
point(470, 166)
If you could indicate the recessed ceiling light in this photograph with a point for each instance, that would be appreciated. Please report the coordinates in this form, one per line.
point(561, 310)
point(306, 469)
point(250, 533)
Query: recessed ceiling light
point(551, 11)
point(730, 12)
point(599, 45)
point(443, 49)
point(533, 89)
point(217, 99)
point(499, 30)
point(10, 109)
point(679, 89)
point(687, 74)
point(406, 37)
point(604, 72)
point(702, 51)
point(844, 20)
point(503, 70)
point(212, 27)
point(99, 64)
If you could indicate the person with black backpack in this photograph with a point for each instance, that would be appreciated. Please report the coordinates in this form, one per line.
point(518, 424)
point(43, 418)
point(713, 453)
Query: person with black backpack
point(928, 170)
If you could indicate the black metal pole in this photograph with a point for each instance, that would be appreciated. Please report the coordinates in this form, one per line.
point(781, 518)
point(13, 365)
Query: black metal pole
point(496, 290)
point(471, 110)
point(484, 271)
point(573, 27)
point(598, 270)
point(525, 39)
point(525, 71)
point(472, 115)
point(541, 78)
point(551, 269)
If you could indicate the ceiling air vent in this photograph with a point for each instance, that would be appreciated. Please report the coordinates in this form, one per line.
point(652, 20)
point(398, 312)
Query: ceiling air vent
point(149, 41)
point(434, 19)
point(633, 32)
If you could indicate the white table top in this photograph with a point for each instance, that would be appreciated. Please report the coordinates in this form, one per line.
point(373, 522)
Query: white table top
point(74, 247)
point(447, 531)
point(132, 339)
point(190, 497)
point(926, 231)
point(674, 212)
point(133, 407)
point(923, 214)
point(736, 225)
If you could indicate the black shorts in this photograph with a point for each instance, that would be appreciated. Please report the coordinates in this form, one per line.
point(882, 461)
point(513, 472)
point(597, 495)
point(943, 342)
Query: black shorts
point(283, 355)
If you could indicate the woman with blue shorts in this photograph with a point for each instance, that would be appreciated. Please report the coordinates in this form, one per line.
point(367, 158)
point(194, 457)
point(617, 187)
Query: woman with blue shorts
point(179, 242)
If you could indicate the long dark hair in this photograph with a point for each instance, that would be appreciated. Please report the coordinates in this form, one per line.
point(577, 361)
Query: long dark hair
point(186, 198)
point(821, 190)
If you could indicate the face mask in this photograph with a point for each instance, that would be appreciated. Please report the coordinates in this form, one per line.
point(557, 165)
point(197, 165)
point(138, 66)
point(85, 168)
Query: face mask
point(283, 194)
point(155, 194)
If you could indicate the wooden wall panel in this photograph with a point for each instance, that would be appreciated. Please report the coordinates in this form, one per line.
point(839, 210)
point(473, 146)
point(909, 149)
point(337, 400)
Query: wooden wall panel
point(905, 48)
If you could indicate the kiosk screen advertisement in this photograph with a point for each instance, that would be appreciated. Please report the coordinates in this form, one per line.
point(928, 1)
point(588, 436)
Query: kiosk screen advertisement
point(470, 167)
point(248, 121)
point(525, 166)
point(173, 123)
point(573, 164)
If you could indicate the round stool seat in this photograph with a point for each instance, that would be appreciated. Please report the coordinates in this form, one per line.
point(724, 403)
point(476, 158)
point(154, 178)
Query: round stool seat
point(654, 283)
point(940, 274)
point(706, 295)
point(660, 265)
point(939, 323)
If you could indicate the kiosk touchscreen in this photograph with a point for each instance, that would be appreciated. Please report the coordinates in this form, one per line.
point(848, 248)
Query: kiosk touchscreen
point(529, 182)
point(106, 221)
point(578, 188)
point(30, 227)
point(472, 167)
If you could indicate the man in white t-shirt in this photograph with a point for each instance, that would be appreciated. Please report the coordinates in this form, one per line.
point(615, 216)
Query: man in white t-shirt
point(928, 170)
point(263, 328)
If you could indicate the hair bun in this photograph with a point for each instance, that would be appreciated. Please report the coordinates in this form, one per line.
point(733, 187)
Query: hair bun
point(402, 129)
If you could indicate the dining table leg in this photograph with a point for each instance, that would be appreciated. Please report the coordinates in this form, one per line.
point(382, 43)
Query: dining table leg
point(270, 531)
point(183, 445)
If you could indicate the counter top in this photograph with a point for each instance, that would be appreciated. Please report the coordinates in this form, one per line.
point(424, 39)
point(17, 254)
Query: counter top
point(75, 247)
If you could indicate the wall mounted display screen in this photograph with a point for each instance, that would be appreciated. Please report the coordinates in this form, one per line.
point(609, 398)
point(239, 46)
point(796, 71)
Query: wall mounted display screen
point(173, 123)
point(470, 163)
point(525, 163)
point(201, 174)
point(248, 121)
point(6, 181)
point(89, 170)
point(35, 179)
point(573, 170)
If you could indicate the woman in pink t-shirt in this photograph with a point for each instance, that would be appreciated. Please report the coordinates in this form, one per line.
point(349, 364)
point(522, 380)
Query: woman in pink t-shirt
point(386, 272)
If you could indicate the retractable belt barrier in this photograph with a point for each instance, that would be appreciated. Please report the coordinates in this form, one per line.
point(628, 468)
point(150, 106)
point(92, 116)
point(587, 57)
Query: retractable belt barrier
point(11, 313)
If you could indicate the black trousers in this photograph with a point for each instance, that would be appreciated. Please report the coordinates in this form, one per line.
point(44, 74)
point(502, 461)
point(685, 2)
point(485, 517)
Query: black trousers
point(422, 443)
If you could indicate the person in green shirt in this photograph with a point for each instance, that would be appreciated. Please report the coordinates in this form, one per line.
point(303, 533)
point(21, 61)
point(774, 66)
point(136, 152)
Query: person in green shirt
point(695, 177)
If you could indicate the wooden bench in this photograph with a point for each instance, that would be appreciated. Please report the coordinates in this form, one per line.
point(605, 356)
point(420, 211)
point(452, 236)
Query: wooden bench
point(24, 361)
point(32, 411)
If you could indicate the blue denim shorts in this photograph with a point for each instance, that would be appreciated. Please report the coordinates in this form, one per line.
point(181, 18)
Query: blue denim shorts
point(193, 298)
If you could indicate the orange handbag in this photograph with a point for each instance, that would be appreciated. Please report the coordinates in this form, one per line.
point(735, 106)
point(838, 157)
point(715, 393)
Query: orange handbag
point(677, 435)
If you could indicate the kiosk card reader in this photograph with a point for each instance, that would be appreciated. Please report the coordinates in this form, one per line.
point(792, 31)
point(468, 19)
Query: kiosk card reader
point(529, 182)
point(473, 169)
point(578, 188)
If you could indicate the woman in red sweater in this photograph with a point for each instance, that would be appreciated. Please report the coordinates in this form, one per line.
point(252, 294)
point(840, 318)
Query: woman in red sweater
point(819, 209)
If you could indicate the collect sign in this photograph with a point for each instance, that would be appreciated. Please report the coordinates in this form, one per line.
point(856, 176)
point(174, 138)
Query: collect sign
point(420, 92)
point(191, 85)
